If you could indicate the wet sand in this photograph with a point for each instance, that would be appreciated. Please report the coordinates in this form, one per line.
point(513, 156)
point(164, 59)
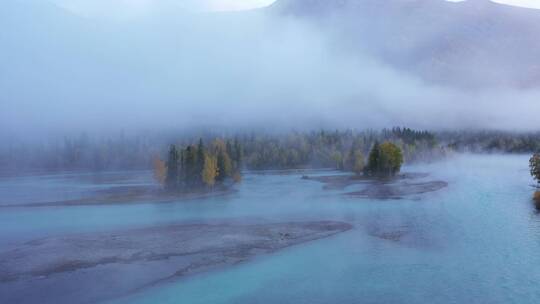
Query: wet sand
point(393, 188)
point(398, 190)
point(85, 268)
point(128, 195)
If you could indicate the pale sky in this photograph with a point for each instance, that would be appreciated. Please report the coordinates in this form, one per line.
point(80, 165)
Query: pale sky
point(237, 4)
point(136, 7)
point(524, 3)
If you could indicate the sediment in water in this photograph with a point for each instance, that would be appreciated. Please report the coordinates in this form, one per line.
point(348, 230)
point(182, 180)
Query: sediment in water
point(91, 267)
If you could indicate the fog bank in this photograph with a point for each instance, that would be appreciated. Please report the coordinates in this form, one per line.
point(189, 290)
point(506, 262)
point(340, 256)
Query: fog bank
point(172, 69)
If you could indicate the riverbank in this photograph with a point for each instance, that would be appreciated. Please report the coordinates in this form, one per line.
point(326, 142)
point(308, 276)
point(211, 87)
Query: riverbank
point(93, 267)
point(402, 185)
point(130, 195)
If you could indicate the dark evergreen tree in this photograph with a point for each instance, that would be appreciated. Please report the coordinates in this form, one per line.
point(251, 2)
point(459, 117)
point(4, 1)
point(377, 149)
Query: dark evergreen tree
point(221, 166)
point(200, 161)
point(534, 166)
point(190, 166)
point(171, 181)
point(351, 158)
point(229, 148)
point(237, 155)
point(373, 165)
point(182, 169)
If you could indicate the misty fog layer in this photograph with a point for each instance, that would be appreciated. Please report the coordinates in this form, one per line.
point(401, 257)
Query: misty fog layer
point(62, 73)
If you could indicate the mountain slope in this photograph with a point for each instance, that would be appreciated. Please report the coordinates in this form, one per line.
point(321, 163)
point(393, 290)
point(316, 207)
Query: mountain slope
point(471, 44)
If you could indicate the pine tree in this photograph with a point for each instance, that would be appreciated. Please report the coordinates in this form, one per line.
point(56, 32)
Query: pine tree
point(229, 149)
point(190, 166)
point(534, 165)
point(171, 181)
point(237, 155)
point(182, 169)
point(373, 166)
point(351, 158)
point(200, 161)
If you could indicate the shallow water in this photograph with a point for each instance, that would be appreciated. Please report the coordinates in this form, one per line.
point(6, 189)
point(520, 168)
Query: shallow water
point(476, 241)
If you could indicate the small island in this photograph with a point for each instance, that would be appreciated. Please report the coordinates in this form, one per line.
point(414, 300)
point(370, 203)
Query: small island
point(380, 176)
point(199, 168)
point(213, 169)
point(207, 165)
point(385, 161)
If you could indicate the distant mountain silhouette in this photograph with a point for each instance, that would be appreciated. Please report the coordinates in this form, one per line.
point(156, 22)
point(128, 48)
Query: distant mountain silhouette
point(470, 44)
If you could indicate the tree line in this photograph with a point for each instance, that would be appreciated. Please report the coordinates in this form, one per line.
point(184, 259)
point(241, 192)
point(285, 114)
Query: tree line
point(82, 152)
point(491, 141)
point(198, 166)
point(316, 149)
point(342, 150)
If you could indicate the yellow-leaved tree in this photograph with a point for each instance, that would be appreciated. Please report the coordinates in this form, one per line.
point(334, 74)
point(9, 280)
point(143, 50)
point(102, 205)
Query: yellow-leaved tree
point(210, 170)
point(224, 162)
point(160, 170)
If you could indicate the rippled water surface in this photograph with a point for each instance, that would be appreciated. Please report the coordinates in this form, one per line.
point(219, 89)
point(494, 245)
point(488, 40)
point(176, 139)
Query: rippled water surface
point(478, 240)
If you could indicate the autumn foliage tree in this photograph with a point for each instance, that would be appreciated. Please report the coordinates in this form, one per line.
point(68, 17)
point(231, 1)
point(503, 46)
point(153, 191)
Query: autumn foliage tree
point(196, 166)
point(224, 162)
point(171, 178)
point(210, 170)
point(391, 159)
point(160, 170)
point(385, 160)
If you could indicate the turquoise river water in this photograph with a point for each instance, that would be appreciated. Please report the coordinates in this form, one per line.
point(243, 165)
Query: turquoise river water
point(476, 241)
